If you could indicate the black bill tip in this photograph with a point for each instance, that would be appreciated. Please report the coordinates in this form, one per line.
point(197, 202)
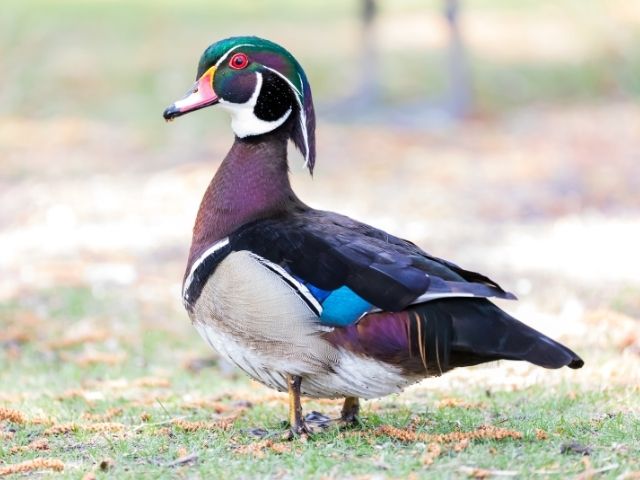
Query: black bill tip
point(171, 112)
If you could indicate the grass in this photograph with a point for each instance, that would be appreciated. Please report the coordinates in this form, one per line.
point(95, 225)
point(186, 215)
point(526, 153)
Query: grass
point(152, 406)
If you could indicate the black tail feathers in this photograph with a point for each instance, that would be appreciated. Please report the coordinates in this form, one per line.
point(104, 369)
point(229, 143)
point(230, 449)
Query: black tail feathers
point(464, 332)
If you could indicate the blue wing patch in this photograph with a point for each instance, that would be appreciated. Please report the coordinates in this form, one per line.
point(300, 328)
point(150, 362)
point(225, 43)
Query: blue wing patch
point(343, 307)
point(340, 307)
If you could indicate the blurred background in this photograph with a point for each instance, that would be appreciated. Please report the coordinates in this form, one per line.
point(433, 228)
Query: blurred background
point(502, 135)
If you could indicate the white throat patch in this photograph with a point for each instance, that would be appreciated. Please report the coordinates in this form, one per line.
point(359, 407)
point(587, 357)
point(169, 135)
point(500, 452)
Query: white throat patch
point(244, 122)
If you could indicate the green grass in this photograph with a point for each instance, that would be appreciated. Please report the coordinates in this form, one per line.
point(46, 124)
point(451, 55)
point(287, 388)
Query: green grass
point(41, 379)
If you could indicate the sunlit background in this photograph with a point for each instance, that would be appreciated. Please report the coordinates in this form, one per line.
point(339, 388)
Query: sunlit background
point(506, 139)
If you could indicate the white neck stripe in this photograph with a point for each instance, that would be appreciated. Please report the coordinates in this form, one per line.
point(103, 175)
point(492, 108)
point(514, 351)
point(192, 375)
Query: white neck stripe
point(209, 251)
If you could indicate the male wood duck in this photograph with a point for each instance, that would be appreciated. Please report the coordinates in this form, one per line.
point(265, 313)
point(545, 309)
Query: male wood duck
point(313, 302)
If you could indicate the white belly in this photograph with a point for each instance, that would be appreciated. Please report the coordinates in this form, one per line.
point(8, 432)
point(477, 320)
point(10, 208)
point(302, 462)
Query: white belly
point(248, 360)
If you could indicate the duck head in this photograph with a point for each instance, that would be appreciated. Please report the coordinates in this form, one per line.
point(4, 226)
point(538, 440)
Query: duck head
point(261, 85)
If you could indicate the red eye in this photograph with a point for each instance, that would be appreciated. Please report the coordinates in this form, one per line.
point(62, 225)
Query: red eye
point(239, 61)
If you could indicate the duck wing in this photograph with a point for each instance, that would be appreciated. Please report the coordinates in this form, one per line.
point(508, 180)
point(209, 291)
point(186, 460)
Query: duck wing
point(329, 252)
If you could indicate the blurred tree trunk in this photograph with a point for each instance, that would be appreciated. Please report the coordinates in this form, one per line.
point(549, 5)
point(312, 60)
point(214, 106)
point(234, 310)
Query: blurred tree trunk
point(369, 65)
point(459, 94)
point(455, 102)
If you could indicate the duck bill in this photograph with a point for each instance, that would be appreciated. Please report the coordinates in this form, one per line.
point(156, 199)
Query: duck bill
point(202, 95)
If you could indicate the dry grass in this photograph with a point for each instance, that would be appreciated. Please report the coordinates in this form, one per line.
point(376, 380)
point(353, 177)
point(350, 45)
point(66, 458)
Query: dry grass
point(11, 415)
point(260, 448)
point(188, 426)
point(103, 417)
point(99, 427)
point(32, 466)
point(450, 402)
point(37, 444)
point(483, 432)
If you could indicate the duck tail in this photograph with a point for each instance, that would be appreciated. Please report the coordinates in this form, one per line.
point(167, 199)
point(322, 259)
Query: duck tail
point(463, 332)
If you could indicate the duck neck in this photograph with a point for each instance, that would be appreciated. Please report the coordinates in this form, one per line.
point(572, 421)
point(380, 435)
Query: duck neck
point(251, 183)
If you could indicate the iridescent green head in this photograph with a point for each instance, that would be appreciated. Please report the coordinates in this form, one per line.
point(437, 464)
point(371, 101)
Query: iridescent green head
point(261, 84)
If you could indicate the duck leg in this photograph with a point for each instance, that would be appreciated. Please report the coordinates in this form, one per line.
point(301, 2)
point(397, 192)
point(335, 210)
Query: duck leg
point(297, 425)
point(350, 414)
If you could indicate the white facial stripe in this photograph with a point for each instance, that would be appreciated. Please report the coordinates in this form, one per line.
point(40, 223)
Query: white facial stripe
point(303, 127)
point(209, 251)
point(226, 54)
point(295, 89)
point(303, 116)
point(243, 119)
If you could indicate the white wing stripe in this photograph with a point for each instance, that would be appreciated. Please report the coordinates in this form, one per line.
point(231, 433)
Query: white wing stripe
point(428, 297)
point(302, 291)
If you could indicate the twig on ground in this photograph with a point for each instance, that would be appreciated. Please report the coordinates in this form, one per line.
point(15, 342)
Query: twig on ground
point(162, 406)
point(590, 473)
point(182, 460)
point(483, 473)
point(157, 424)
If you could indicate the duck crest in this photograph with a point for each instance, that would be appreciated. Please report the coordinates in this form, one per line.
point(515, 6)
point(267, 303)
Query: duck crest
point(251, 183)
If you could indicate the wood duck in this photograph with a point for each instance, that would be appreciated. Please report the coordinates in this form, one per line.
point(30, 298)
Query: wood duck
point(313, 302)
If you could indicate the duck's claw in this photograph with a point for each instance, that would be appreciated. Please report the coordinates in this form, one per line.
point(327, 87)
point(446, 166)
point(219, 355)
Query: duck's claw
point(316, 420)
point(302, 431)
point(350, 416)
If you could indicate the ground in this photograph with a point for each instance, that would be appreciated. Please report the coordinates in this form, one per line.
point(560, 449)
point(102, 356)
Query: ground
point(101, 373)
